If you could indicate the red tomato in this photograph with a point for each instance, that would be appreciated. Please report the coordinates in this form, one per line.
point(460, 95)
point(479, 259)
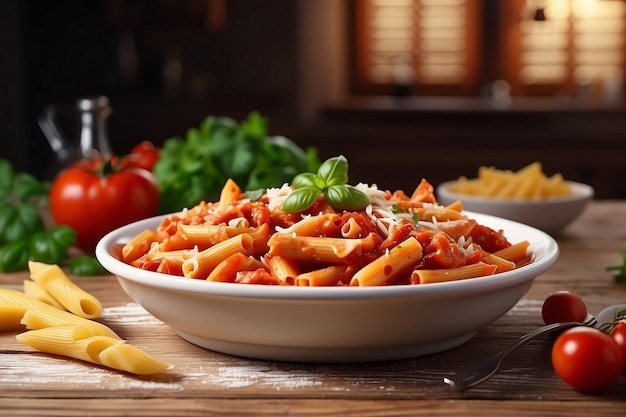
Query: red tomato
point(563, 306)
point(144, 155)
point(587, 358)
point(619, 337)
point(95, 202)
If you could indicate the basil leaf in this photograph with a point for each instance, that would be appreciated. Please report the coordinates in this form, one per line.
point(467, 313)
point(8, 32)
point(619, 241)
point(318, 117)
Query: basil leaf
point(346, 198)
point(301, 199)
point(334, 171)
point(305, 179)
point(26, 186)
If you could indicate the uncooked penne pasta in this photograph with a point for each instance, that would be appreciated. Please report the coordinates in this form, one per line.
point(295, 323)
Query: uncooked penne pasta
point(11, 317)
point(37, 318)
point(67, 293)
point(36, 291)
point(76, 342)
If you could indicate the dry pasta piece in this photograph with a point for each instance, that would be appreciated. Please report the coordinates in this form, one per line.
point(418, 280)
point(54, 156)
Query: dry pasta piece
point(36, 291)
point(67, 293)
point(37, 318)
point(390, 265)
point(528, 182)
point(77, 342)
point(428, 276)
point(11, 317)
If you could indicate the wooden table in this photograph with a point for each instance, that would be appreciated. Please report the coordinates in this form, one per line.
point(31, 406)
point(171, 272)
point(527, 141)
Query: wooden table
point(208, 383)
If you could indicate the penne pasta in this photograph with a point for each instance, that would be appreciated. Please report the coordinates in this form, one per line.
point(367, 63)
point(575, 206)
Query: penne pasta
point(285, 269)
point(37, 318)
point(324, 224)
point(201, 265)
point(331, 275)
point(36, 291)
point(139, 245)
point(226, 271)
point(77, 342)
point(429, 276)
point(11, 317)
point(240, 240)
point(389, 266)
point(317, 249)
point(62, 289)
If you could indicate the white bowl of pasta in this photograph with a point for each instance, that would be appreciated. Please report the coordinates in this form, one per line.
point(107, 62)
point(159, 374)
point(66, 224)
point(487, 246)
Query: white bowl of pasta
point(550, 214)
point(308, 318)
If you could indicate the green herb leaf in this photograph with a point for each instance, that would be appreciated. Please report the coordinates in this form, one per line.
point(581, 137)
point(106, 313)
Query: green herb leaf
point(344, 197)
point(301, 199)
point(334, 171)
point(306, 179)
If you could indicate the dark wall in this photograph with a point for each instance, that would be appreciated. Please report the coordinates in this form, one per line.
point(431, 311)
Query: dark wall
point(57, 52)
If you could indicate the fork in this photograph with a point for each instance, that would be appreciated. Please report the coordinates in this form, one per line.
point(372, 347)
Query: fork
point(481, 369)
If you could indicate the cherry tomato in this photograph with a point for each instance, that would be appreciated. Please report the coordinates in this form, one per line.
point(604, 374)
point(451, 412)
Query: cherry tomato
point(619, 337)
point(563, 306)
point(587, 358)
point(94, 202)
point(144, 155)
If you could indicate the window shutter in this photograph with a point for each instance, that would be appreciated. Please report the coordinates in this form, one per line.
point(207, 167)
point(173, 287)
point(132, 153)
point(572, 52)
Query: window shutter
point(429, 44)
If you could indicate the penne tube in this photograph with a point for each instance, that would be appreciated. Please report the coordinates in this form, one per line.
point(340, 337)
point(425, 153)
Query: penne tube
point(389, 266)
point(11, 317)
point(34, 290)
point(139, 245)
point(230, 193)
point(201, 265)
point(502, 264)
point(515, 253)
point(351, 229)
point(331, 275)
point(318, 249)
point(76, 342)
point(226, 271)
point(327, 224)
point(285, 269)
point(428, 276)
point(40, 318)
point(131, 359)
point(67, 293)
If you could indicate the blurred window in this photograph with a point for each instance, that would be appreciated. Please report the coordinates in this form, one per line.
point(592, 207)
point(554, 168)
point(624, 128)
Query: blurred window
point(449, 47)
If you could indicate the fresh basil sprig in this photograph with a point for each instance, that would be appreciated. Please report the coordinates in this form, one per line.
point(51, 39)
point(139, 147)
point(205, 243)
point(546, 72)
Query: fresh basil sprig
point(331, 181)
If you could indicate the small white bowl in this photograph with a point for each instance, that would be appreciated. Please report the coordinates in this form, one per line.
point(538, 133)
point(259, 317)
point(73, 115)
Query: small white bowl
point(548, 214)
point(328, 324)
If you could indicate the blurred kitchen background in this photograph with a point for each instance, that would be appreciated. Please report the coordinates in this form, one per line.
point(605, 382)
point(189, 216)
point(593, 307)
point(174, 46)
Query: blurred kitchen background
point(404, 89)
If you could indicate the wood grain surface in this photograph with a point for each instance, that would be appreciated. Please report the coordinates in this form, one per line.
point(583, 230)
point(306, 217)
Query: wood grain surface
point(209, 383)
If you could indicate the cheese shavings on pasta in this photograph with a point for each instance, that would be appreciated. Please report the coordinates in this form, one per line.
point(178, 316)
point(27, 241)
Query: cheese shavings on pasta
point(396, 239)
point(57, 314)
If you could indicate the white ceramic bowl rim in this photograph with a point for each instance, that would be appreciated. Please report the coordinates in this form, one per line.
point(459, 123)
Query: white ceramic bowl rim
point(544, 247)
point(580, 191)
